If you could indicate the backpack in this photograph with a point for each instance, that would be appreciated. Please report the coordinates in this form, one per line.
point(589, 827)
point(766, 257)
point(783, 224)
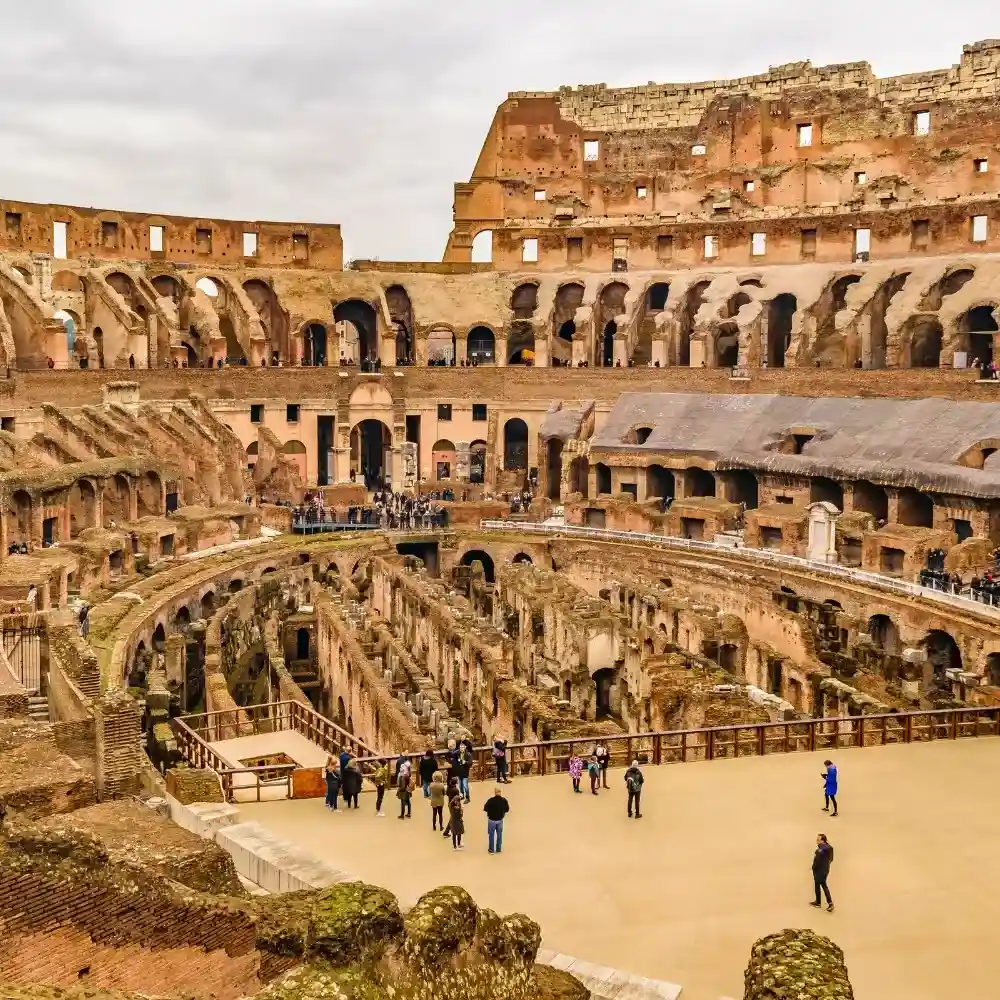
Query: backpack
point(594, 770)
point(634, 782)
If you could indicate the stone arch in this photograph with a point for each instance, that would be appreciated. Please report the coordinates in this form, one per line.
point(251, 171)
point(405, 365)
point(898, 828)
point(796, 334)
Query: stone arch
point(182, 617)
point(922, 340)
point(207, 604)
point(978, 328)
point(515, 445)
point(362, 316)
point(603, 479)
point(82, 507)
point(823, 490)
point(316, 346)
point(116, 497)
point(235, 354)
point(836, 347)
point(698, 483)
point(397, 299)
point(371, 442)
point(150, 495)
point(295, 452)
point(871, 499)
point(915, 508)
point(657, 295)
point(273, 319)
point(482, 346)
point(949, 283)
point(167, 287)
point(735, 303)
point(521, 341)
point(524, 300)
point(210, 286)
point(482, 247)
point(727, 346)
point(522, 558)
point(660, 482)
point(942, 650)
point(879, 334)
point(67, 281)
point(780, 316)
point(441, 347)
point(610, 305)
point(991, 669)
point(884, 633)
point(569, 298)
point(443, 456)
point(484, 559)
point(694, 299)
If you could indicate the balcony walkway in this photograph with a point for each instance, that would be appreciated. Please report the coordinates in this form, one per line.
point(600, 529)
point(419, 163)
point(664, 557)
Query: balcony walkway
point(721, 857)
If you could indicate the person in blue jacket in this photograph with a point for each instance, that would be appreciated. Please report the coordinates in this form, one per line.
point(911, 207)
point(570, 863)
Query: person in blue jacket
point(830, 786)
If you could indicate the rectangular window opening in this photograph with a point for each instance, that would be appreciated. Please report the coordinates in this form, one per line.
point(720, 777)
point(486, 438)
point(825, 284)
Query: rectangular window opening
point(156, 239)
point(920, 233)
point(574, 249)
point(249, 244)
point(59, 241)
point(711, 247)
point(256, 413)
point(980, 228)
point(292, 413)
point(591, 150)
point(479, 411)
point(109, 235)
point(922, 123)
point(12, 221)
point(300, 246)
point(444, 411)
point(981, 165)
point(640, 191)
point(808, 243)
point(758, 244)
point(665, 247)
point(804, 134)
point(203, 240)
point(539, 195)
point(749, 186)
point(699, 149)
point(862, 241)
point(861, 178)
point(529, 251)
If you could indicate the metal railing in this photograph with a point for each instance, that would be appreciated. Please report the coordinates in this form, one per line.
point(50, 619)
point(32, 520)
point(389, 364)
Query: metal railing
point(764, 556)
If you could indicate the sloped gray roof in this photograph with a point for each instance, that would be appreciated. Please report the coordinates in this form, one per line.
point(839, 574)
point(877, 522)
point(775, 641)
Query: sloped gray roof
point(564, 421)
point(894, 442)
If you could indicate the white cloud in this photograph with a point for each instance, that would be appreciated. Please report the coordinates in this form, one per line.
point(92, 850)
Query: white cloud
point(365, 112)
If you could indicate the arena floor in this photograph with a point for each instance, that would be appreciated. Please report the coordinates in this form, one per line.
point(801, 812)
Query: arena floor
point(721, 857)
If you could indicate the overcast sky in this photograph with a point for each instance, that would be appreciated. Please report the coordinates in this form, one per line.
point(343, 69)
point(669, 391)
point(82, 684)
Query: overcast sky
point(365, 112)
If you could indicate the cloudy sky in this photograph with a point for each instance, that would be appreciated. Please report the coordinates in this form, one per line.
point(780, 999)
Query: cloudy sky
point(365, 112)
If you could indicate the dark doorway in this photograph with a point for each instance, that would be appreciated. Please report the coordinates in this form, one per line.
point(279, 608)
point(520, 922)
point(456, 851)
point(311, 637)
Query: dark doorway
point(426, 552)
point(362, 316)
point(982, 328)
point(603, 478)
point(484, 559)
point(779, 329)
point(371, 442)
point(302, 644)
point(608, 344)
point(315, 346)
point(515, 445)
point(324, 449)
point(604, 681)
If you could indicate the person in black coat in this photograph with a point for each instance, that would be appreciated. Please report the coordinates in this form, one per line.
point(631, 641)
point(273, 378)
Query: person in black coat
point(822, 860)
point(332, 776)
point(352, 780)
point(428, 765)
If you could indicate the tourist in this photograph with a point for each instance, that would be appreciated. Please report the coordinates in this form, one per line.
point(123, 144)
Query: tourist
point(351, 778)
point(404, 791)
point(576, 770)
point(500, 759)
point(345, 757)
point(594, 773)
point(437, 793)
point(332, 776)
point(462, 764)
point(830, 787)
point(822, 859)
point(496, 808)
point(633, 782)
point(603, 759)
point(449, 795)
point(456, 820)
point(428, 766)
point(380, 779)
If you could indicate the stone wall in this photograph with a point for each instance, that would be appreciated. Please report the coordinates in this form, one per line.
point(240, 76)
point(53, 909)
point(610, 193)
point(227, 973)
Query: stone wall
point(796, 963)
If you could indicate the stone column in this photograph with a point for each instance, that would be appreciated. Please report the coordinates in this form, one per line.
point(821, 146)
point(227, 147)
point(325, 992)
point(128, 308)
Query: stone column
point(461, 461)
point(461, 350)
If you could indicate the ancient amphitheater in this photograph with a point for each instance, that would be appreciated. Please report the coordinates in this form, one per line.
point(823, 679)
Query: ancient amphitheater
point(707, 448)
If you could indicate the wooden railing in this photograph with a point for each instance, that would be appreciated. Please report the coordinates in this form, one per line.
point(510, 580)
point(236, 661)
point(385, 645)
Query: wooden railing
point(671, 747)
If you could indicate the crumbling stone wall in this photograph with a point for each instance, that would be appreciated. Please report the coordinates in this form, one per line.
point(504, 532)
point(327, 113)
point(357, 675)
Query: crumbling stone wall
point(796, 963)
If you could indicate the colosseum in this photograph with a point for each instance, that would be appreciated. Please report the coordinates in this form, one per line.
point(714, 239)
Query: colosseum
point(684, 452)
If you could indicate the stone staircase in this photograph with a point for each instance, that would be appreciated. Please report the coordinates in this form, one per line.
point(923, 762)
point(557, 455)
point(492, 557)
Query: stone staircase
point(606, 983)
point(38, 708)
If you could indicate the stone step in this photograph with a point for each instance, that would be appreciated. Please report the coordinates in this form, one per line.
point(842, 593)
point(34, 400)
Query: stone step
point(606, 983)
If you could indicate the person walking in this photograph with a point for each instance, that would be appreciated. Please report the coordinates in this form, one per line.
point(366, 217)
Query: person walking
point(380, 779)
point(456, 820)
point(603, 759)
point(830, 787)
point(428, 765)
point(496, 808)
point(404, 792)
point(438, 791)
point(448, 796)
point(332, 776)
point(576, 770)
point(500, 759)
point(594, 773)
point(351, 780)
point(822, 859)
point(633, 782)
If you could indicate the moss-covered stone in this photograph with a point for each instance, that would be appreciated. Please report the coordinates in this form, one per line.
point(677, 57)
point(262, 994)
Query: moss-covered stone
point(353, 922)
point(511, 938)
point(443, 920)
point(797, 964)
point(556, 984)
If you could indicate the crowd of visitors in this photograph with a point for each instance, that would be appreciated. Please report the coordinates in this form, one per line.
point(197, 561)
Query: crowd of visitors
point(387, 510)
point(520, 501)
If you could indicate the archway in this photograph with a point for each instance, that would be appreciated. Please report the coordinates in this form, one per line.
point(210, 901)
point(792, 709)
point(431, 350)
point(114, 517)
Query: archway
point(440, 348)
point(699, 483)
point(159, 642)
point(116, 500)
point(182, 618)
point(604, 682)
point(727, 346)
point(925, 343)
point(515, 445)
point(208, 286)
point(607, 355)
point(477, 461)
point(150, 497)
point(884, 633)
point(362, 316)
point(401, 314)
point(660, 482)
point(657, 295)
point(371, 443)
point(948, 284)
point(522, 558)
point(443, 458)
point(603, 474)
point(693, 301)
point(822, 490)
point(482, 346)
point(568, 299)
point(942, 651)
point(482, 247)
point(979, 329)
point(871, 499)
point(992, 672)
point(553, 467)
point(779, 328)
point(743, 487)
point(915, 508)
point(610, 305)
point(879, 335)
point(295, 452)
point(82, 507)
point(315, 346)
point(839, 348)
point(484, 558)
point(208, 604)
point(21, 521)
